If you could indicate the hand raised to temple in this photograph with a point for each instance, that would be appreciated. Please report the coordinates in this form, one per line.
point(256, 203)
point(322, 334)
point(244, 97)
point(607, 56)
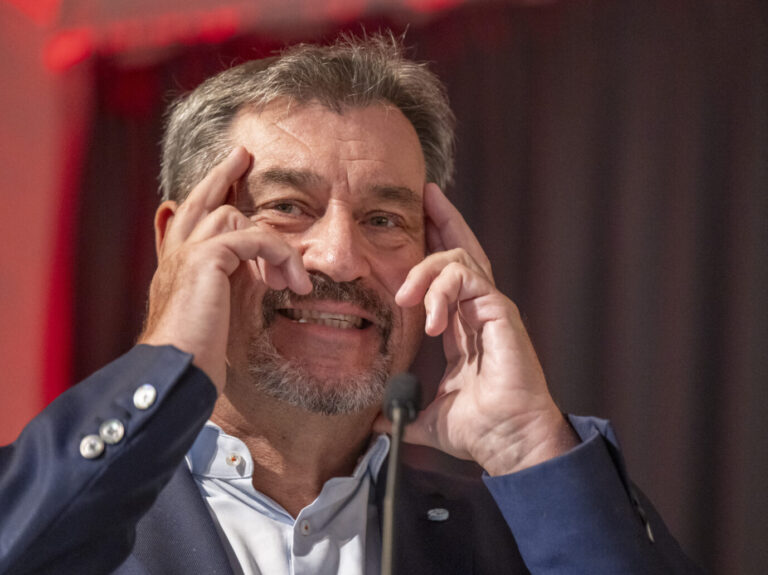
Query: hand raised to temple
point(200, 243)
point(492, 404)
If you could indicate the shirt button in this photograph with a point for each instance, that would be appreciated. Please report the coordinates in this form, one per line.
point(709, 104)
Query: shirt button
point(438, 514)
point(144, 396)
point(91, 446)
point(234, 459)
point(305, 527)
point(112, 431)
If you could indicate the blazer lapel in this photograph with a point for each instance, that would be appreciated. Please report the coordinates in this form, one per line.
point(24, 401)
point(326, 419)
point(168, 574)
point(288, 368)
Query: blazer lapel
point(178, 536)
point(430, 528)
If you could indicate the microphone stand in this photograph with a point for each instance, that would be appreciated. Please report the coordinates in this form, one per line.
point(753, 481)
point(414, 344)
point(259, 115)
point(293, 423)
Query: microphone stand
point(390, 495)
point(401, 406)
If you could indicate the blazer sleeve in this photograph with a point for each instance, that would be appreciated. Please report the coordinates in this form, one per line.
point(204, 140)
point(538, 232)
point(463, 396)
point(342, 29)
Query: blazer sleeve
point(579, 513)
point(63, 512)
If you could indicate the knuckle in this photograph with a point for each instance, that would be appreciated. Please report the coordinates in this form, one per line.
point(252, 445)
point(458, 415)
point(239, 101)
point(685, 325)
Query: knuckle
point(227, 214)
point(459, 254)
point(453, 266)
point(460, 266)
point(514, 310)
point(455, 269)
point(463, 256)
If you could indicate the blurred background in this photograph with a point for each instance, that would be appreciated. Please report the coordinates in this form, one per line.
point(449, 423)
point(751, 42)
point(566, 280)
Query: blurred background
point(612, 159)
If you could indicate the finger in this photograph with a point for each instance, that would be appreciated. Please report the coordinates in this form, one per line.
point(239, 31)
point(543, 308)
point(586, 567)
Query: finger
point(209, 194)
point(446, 228)
point(453, 344)
point(434, 240)
point(278, 262)
point(271, 275)
point(212, 190)
point(429, 426)
point(413, 433)
point(222, 220)
point(420, 277)
point(454, 286)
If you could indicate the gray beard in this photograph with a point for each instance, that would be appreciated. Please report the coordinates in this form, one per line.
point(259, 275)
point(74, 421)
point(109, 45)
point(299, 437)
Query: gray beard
point(290, 380)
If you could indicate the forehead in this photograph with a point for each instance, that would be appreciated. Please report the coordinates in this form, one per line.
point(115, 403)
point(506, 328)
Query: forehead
point(371, 145)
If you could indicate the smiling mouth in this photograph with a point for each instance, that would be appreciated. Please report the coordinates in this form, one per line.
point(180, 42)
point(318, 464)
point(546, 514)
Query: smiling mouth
point(337, 320)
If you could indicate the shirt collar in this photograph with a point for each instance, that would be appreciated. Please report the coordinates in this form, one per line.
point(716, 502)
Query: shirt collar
point(217, 455)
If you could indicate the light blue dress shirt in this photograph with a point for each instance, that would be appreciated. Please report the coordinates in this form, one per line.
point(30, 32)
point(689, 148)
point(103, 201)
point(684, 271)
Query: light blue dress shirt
point(337, 534)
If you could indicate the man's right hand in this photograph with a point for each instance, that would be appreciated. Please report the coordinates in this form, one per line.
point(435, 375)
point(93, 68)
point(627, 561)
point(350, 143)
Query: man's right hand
point(200, 244)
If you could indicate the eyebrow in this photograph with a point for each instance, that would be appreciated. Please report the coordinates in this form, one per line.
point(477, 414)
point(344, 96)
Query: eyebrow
point(307, 179)
point(399, 194)
point(300, 179)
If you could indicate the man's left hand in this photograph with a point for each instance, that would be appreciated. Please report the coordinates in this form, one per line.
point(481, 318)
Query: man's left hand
point(492, 404)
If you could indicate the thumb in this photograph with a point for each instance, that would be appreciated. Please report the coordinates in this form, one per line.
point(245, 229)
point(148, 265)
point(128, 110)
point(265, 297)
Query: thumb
point(413, 433)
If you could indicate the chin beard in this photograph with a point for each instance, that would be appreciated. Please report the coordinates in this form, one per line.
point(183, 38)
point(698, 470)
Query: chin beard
point(291, 382)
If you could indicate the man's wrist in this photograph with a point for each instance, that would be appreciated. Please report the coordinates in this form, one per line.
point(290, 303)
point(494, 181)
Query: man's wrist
point(538, 442)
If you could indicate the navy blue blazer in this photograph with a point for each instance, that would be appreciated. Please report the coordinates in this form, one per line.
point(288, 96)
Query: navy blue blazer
point(135, 509)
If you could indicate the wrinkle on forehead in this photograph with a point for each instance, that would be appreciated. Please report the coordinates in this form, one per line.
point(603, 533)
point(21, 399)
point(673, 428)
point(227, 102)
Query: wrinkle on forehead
point(276, 132)
point(282, 110)
point(349, 149)
point(314, 138)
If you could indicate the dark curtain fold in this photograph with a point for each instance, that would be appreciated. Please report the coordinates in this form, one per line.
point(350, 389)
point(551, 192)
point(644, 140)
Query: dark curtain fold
point(613, 160)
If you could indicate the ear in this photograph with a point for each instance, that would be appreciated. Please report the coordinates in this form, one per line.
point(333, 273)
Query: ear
point(163, 218)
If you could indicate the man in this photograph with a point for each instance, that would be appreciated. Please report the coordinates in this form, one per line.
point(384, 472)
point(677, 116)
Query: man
point(304, 247)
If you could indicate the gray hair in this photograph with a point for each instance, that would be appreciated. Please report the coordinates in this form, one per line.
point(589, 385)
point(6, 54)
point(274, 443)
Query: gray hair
point(352, 72)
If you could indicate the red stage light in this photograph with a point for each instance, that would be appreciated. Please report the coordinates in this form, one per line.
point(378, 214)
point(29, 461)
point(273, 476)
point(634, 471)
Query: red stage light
point(66, 49)
point(345, 10)
point(41, 12)
point(219, 25)
point(428, 6)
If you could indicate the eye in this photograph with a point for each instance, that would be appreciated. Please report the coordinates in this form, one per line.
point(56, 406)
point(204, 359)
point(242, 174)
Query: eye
point(384, 221)
point(287, 208)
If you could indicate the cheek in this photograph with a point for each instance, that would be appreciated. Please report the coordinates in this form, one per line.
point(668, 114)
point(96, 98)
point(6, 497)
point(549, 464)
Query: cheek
point(412, 319)
point(409, 338)
point(393, 268)
point(391, 272)
point(247, 291)
point(413, 322)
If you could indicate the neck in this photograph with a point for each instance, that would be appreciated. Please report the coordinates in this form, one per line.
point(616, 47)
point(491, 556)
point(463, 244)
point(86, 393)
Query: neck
point(294, 451)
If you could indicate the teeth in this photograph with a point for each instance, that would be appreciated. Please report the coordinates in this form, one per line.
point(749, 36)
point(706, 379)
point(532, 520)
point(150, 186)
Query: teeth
point(338, 320)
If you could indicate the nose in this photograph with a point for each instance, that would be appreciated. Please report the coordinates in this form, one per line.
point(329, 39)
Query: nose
point(335, 246)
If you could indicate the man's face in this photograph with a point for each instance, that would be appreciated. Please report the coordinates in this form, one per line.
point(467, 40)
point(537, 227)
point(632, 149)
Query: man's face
point(346, 191)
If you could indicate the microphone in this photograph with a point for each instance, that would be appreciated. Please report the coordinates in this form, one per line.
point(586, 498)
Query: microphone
point(401, 406)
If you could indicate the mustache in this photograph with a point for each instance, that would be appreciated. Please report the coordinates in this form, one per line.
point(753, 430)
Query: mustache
point(326, 289)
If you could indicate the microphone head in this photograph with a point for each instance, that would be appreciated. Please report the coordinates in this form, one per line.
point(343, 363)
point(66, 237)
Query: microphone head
point(404, 391)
